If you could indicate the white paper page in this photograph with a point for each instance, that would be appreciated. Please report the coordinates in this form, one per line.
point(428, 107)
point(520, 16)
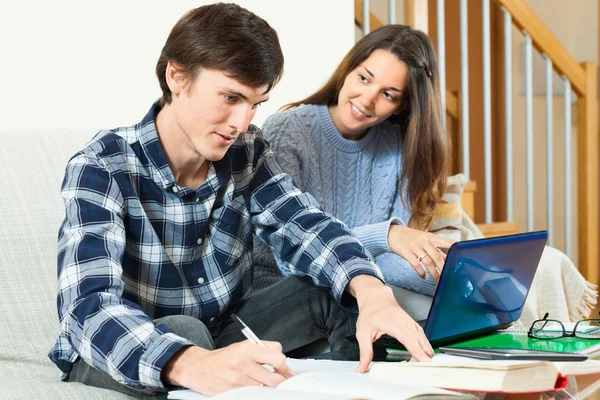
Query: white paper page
point(447, 359)
point(458, 361)
point(356, 385)
point(185, 394)
point(264, 393)
point(299, 366)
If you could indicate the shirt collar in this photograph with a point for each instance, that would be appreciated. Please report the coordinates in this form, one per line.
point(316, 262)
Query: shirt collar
point(150, 143)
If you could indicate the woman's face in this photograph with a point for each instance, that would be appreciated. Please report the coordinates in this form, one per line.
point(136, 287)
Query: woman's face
point(371, 93)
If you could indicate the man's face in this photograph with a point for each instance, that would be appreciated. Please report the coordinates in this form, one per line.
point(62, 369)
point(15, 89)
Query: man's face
point(213, 110)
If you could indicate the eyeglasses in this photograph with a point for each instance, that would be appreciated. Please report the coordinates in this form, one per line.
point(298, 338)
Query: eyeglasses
point(547, 329)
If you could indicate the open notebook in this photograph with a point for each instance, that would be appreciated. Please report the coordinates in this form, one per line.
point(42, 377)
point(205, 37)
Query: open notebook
point(326, 379)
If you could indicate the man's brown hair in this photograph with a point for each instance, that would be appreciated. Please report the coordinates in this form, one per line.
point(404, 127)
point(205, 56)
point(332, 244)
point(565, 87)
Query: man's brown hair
point(224, 37)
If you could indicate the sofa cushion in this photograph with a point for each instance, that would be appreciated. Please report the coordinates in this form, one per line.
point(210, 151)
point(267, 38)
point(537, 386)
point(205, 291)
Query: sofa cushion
point(31, 211)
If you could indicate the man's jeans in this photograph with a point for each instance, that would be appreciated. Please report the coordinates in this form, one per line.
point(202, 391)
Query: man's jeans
point(293, 312)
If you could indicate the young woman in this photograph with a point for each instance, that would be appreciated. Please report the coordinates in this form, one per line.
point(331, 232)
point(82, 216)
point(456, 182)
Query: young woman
point(370, 147)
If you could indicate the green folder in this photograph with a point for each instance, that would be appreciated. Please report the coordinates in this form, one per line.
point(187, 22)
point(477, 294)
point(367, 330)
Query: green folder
point(522, 341)
point(517, 340)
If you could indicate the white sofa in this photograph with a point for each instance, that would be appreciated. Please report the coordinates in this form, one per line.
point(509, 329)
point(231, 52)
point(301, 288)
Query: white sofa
point(31, 211)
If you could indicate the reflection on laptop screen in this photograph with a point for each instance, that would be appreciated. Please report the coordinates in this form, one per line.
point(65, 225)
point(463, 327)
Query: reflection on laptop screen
point(484, 284)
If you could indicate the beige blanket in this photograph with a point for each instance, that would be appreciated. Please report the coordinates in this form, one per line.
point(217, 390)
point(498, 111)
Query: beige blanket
point(558, 288)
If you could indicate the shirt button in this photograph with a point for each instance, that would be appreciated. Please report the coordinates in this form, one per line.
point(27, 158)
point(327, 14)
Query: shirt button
point(199, 241)
point(198, 200)
point(175, 189)
point(201, 280)
point(212, 319)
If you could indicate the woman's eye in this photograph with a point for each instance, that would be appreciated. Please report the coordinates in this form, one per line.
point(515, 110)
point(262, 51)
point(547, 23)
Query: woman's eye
point(389, 96)
point(362, 78)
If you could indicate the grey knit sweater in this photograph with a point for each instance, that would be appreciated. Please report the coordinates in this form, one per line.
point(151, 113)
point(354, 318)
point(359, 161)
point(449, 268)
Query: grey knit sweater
point(355, 181)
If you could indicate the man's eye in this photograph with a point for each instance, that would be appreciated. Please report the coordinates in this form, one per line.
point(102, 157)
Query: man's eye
point(230, 99)
point(254, 107)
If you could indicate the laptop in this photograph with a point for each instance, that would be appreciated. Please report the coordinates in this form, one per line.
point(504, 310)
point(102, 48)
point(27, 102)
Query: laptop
point(482, 288)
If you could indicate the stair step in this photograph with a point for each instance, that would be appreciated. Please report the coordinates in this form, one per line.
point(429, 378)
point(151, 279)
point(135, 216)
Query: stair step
point(499, 228)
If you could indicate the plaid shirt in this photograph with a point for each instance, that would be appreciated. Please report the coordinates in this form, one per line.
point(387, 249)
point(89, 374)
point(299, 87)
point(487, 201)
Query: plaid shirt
point(135, 246)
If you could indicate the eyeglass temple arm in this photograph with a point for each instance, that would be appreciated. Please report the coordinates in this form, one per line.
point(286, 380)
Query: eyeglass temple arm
point(546, 315)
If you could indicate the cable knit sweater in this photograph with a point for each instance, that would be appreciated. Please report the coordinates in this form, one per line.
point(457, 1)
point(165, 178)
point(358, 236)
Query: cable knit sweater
point(355, 181)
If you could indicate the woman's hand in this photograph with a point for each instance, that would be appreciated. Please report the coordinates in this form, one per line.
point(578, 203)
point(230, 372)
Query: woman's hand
point(419, 248)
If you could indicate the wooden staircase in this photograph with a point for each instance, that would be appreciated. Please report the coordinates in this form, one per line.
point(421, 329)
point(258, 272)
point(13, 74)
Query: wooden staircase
point(452, 110)
point(489, 230)
point(583, 79)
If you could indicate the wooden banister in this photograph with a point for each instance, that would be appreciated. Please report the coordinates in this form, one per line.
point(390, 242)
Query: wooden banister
point(451, 101)
point(587, 177)
point(583, 81)
point(546, 43)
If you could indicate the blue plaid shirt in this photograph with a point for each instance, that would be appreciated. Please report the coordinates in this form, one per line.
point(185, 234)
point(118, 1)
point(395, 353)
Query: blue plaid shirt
point(135, 246)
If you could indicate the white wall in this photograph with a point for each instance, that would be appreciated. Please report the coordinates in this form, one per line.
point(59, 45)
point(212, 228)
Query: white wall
point(82, 64)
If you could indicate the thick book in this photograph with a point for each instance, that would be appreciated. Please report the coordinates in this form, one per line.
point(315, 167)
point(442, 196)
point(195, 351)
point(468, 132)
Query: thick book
point(469, 374)
point(330, 380)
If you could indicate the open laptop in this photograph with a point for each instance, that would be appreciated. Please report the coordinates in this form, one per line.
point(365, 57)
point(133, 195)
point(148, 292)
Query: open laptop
point(482, 288)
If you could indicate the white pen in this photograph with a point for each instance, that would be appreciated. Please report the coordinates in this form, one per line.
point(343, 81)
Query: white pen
point(253, 338)
point(247, 331)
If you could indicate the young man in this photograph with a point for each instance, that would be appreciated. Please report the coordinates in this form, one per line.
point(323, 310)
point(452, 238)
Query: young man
point(154, 253)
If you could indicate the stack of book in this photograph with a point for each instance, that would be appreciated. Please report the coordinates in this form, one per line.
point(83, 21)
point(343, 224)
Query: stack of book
point(468, 374)
point(497, 376)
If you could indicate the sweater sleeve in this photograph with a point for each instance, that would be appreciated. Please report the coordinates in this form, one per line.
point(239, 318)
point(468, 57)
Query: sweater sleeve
point(375, 236)
point(395, 269)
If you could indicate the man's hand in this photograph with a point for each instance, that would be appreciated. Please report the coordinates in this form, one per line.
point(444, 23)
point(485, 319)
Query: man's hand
point(380, 313)
point(211, 372)
point(419, 248)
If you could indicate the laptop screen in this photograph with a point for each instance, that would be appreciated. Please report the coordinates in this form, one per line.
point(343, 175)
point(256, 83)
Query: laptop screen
point(484, 285)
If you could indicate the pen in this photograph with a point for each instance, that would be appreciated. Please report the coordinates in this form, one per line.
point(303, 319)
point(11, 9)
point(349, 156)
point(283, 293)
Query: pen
point(253, 338)
point(247, 331)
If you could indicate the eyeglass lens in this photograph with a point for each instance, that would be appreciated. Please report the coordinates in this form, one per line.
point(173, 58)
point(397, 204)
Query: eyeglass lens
point(547, 329)
point(588, 328)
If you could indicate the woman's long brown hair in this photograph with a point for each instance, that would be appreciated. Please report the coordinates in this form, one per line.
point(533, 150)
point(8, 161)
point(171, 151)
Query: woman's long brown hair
point(425, 146)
